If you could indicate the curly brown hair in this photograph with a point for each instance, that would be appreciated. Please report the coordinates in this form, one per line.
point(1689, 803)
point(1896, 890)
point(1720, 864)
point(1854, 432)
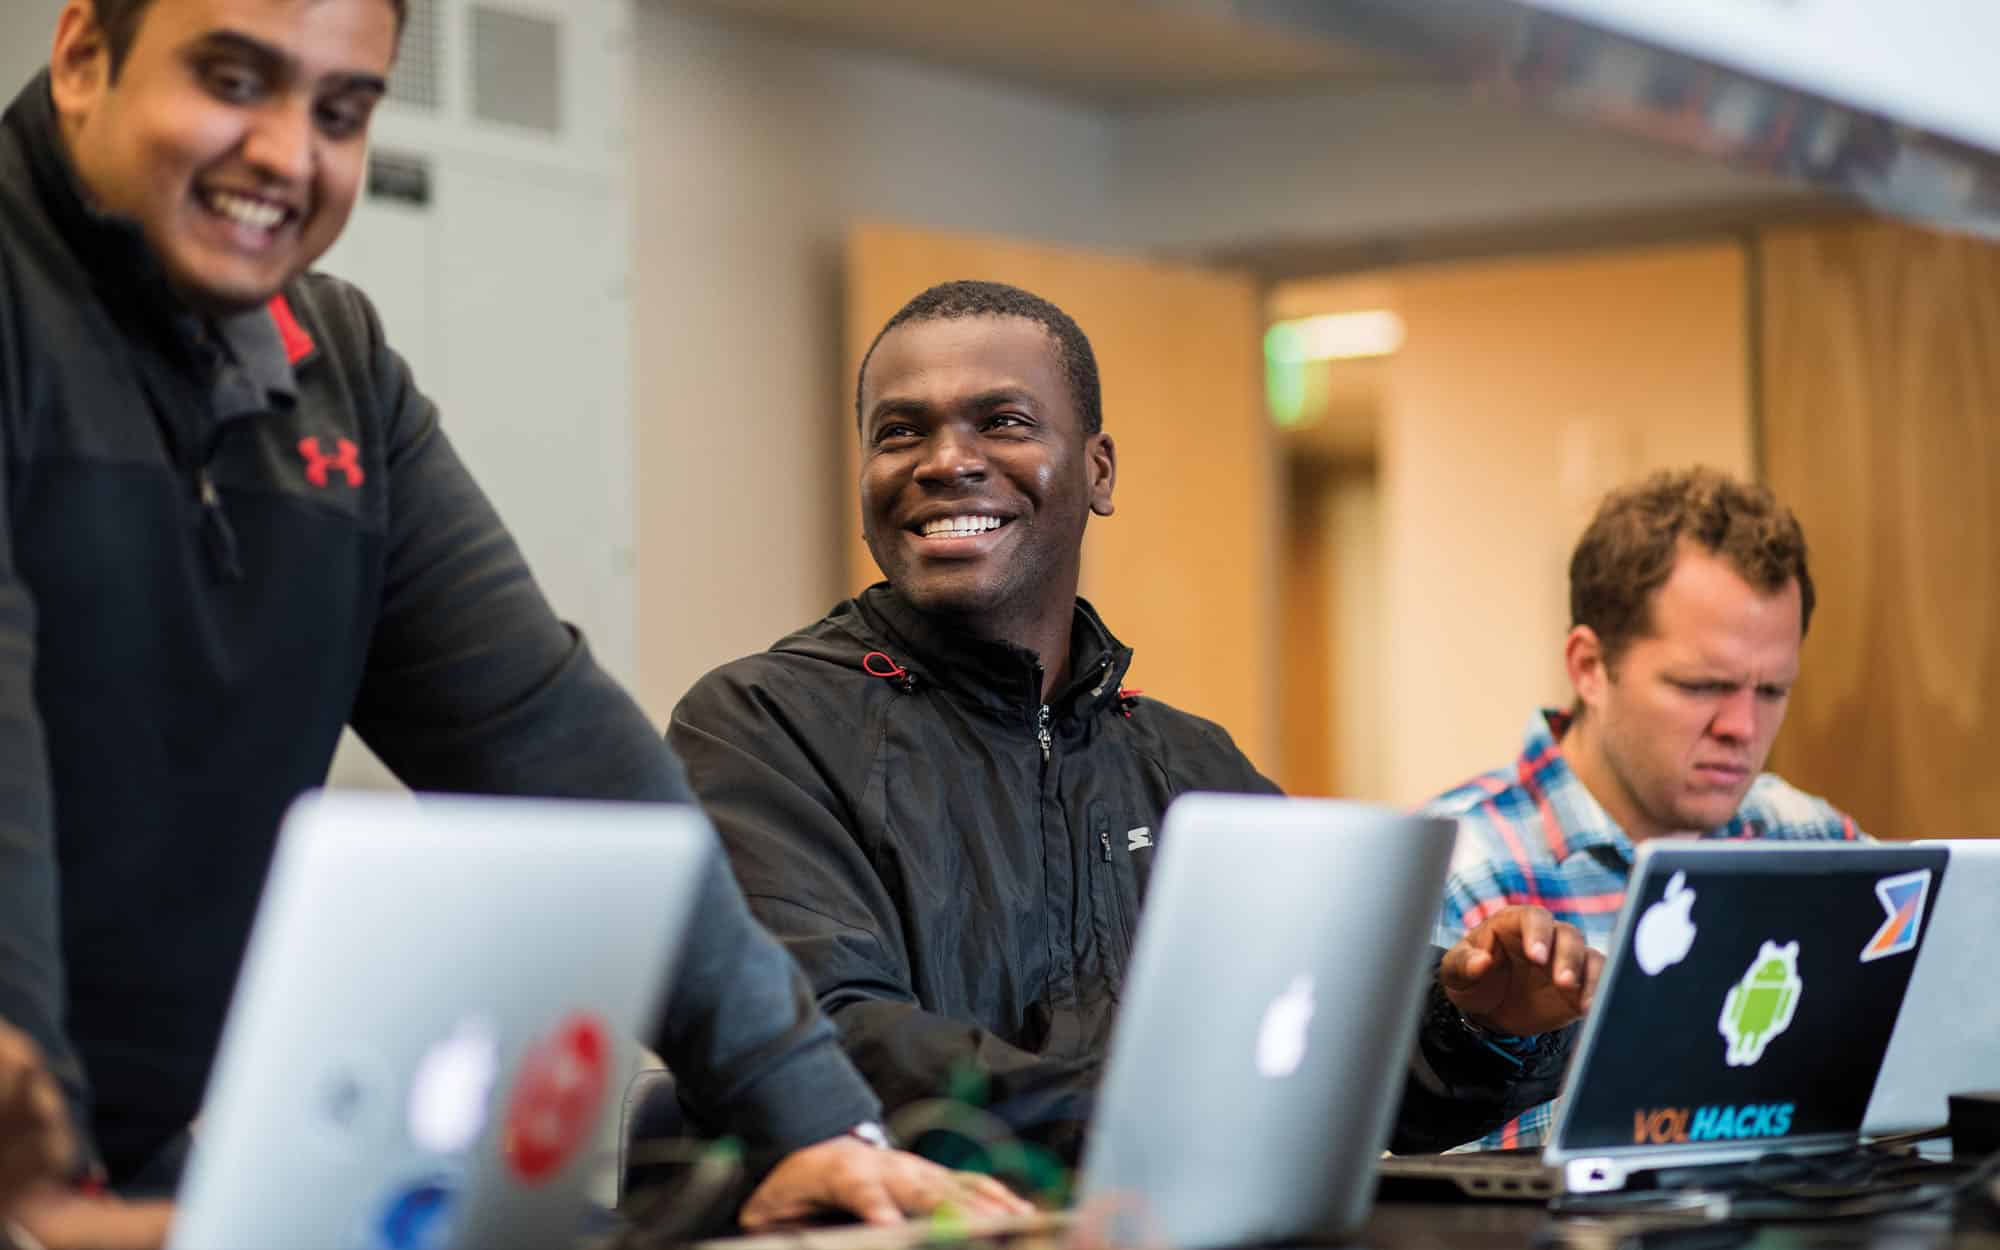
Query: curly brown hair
point(119, 20)
point(1628, 550)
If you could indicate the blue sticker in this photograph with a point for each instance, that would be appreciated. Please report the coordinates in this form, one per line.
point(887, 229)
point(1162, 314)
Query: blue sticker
point(417, 1216)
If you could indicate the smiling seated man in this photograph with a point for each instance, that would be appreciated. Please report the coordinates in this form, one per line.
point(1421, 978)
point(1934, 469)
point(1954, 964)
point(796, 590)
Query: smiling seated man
point(231, 524)
point(941, 801)
point(1689, 600)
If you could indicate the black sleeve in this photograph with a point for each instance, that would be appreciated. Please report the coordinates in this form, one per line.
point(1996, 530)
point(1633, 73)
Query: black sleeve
point(811, 883)
point(1461, 1087)
point(31, 967)
point(473, 685)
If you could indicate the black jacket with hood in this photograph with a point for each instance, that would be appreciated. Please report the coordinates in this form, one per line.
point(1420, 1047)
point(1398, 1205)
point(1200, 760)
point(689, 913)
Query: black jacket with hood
point(959, 867)
point(218, 544)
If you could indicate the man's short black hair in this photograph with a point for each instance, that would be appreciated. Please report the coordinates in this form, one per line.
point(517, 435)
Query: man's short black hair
point(119, 20)
point(948, 301)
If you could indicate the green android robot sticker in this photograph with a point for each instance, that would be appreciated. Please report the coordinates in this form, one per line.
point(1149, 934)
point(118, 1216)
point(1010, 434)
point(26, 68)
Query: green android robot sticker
point(1760, 1006)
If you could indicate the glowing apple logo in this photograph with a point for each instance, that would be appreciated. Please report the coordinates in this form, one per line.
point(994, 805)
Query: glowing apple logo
point(1281, 1042)
point(1666, 931)
point(449, 1092)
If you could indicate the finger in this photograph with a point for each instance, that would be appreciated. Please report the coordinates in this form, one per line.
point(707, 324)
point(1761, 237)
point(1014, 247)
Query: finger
point(985, 1195)
point(45, 1103)
point(867, 1197)
point(1466, 963)
point(919, 1186)
point(1537, 933)
point(1567, 960)
point(16, 1068)
point(1593, 968)
point(62, 1220)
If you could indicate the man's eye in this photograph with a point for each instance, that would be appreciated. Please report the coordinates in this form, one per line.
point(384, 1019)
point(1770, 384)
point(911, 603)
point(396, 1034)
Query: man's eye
point(344, 119)
point(890, 433)
point(232, 83)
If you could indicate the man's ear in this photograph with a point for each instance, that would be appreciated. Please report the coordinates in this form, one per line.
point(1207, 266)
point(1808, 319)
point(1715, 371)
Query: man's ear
point(79, 60)
point(1102, 460)
point(1583, 657)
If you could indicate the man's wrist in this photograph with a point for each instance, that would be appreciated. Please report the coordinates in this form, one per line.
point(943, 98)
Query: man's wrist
point(1455, 1032)
point(1515, 1045)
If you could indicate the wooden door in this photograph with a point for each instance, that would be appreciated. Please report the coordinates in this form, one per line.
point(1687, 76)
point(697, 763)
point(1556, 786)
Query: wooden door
point(1881, 383)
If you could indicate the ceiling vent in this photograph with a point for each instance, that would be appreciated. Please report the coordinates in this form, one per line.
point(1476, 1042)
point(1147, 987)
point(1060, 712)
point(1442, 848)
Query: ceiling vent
point(516, 69)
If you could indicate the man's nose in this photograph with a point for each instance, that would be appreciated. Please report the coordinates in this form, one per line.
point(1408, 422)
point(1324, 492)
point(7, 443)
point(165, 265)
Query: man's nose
point(1736, 718)
point(951, 456)
point(280, 142)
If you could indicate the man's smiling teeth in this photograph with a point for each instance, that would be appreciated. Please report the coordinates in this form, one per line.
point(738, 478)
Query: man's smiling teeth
point(245, 211)
point(960, 526)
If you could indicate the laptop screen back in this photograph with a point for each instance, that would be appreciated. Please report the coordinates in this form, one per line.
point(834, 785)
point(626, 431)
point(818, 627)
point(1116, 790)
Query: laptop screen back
point(1266, 1023)
point(1751, 997)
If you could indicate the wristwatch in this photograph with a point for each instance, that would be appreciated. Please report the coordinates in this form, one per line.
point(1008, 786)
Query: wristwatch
point(873, 1133)
point(1508, 1045)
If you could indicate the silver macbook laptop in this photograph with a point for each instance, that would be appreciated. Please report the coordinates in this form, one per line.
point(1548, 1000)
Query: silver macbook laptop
point(428, 1025)
point(1745, 1008)
point(1947, 1038)
point(1266, 1022)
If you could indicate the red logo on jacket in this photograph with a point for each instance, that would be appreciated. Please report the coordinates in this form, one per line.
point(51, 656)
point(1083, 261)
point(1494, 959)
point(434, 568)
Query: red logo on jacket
point(346, 458)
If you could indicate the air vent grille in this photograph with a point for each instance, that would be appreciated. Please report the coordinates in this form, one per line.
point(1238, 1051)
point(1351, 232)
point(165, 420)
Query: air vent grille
point(516, 69)
point(414, 78)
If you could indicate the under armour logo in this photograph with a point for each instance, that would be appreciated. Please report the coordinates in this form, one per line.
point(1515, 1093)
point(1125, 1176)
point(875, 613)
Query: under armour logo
point(1137, 838)
point(318, 462)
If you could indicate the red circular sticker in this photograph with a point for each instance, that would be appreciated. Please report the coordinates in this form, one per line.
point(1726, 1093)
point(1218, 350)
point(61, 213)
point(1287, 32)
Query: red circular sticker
point(553, 1109)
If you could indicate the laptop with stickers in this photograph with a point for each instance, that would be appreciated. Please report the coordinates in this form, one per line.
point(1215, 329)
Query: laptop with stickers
point(432, 1021)
point(1947, 1040)
point(1747, 1001)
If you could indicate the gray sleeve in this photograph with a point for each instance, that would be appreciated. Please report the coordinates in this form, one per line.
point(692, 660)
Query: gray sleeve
point(473, 685)
point(31, 966)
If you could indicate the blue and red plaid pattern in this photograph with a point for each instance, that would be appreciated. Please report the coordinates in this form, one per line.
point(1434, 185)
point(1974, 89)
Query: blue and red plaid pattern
point(1532, 833)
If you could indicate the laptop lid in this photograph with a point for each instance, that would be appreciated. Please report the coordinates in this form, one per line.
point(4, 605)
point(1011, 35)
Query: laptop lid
point(432, 1018)
point(1746, 1006)
point(1947, 1038)
point(1267, 1020)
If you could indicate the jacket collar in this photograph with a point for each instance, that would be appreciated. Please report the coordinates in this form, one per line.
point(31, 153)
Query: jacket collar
point(998, 673)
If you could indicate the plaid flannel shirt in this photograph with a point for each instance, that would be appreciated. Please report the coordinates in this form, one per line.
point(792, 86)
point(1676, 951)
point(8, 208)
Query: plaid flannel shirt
point(1531, 833)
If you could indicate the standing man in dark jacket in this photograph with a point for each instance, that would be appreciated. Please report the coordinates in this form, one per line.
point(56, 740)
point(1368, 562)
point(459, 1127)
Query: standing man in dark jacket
point(230, 523)
point(941, 800)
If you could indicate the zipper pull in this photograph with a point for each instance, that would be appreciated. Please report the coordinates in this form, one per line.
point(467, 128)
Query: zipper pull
point(1104, 840)
point(1042, 731)
point(217, 532)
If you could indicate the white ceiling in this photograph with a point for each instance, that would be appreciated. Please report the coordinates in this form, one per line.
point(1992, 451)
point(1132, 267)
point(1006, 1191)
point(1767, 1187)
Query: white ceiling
point(1113, 53)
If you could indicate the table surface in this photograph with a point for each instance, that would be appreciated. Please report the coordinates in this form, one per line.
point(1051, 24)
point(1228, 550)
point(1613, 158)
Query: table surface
point(1500, 1226)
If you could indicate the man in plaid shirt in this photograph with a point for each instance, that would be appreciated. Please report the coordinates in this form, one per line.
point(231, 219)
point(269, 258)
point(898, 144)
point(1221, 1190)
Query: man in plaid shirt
point(1689, 600)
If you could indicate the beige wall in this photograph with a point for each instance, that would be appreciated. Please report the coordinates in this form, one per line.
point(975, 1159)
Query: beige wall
point(752, 155)
point(1524, 390)
point(26, 26)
